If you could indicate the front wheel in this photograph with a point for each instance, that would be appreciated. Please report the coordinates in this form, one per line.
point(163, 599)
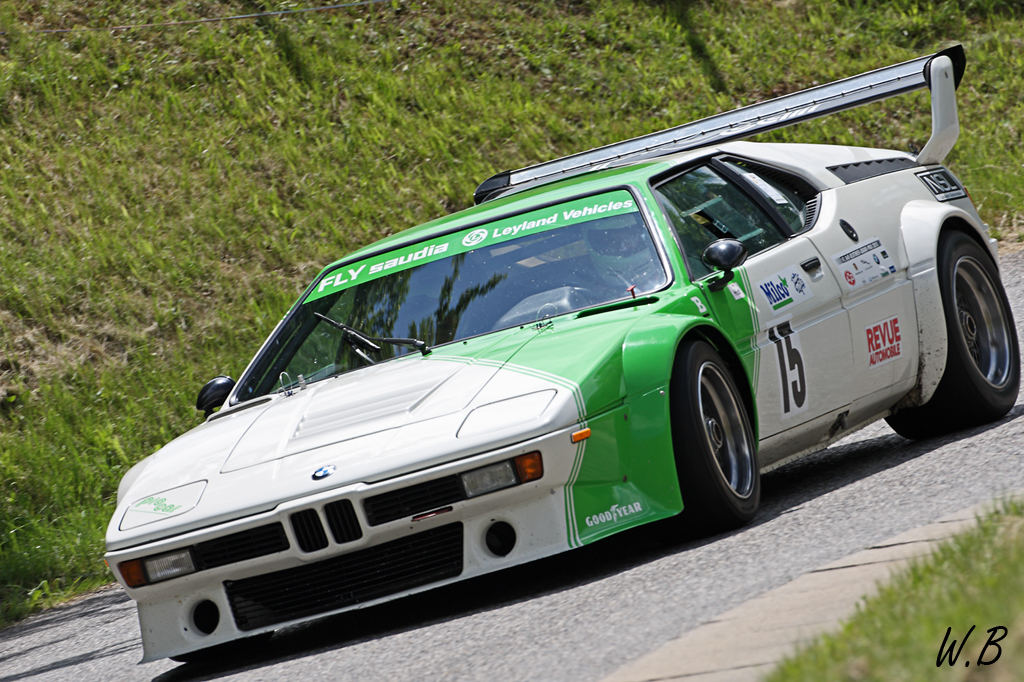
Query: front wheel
point(982, 374)
point(715, 449)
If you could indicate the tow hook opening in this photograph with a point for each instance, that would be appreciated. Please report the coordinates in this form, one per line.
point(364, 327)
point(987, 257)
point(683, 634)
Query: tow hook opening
point(500, 538)
point(206, 617)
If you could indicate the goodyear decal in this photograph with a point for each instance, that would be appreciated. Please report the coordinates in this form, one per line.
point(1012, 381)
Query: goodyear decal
point(614, 513)
point(605, 205)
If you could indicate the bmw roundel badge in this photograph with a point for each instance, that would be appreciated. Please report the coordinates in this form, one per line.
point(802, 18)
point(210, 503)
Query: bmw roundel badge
point(323, 472)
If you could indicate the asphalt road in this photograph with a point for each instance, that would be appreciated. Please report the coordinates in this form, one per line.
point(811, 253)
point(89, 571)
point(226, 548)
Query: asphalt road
point(581, 615)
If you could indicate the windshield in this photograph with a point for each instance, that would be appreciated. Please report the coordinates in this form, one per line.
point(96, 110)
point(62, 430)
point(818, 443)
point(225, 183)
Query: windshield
point(508, 273)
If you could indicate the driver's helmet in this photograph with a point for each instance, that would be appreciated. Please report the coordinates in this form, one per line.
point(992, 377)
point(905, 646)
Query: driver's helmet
point(620, 249)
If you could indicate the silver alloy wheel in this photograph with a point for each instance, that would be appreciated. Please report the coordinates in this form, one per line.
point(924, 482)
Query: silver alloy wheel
point(982, 321)
point(724, 428)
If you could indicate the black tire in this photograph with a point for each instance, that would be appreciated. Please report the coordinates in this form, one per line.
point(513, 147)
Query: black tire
point(715, 448)
point(982, 375)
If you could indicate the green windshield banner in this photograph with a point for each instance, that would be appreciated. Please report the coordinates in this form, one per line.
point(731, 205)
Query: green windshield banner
point(605, 205)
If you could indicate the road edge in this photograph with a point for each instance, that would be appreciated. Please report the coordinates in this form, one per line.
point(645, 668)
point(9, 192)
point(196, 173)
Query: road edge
point(746, 642)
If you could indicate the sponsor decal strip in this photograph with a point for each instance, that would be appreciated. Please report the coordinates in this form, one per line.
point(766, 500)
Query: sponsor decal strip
point(865, 264)
point(605, 205)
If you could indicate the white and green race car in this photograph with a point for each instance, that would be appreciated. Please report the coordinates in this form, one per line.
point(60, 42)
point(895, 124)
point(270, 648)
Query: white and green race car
point(629, 334)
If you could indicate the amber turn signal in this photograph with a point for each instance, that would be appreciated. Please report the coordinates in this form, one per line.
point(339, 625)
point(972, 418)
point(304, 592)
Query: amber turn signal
point(132, 572)
point(580, 435)
point(529, 467)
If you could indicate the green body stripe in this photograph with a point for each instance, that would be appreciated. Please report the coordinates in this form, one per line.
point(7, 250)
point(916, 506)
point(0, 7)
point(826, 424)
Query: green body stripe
point(570, 502)
point(752, 307)
point(572, 532)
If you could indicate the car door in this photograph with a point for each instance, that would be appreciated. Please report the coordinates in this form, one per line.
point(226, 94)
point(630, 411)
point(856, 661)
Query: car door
point(860, 235)
point(783, 310)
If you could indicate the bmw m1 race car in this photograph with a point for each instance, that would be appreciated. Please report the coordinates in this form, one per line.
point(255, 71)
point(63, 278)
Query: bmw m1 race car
point(629, 334)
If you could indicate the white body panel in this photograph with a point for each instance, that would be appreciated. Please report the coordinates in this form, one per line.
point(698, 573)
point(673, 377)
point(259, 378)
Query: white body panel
point(535, 510)
point(806, 373)
point(250, 475)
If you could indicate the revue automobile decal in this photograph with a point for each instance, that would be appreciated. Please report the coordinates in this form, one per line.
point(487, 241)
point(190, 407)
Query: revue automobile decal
point(883, 339)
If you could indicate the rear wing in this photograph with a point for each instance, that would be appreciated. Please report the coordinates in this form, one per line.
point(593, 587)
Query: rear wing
point(940, 72)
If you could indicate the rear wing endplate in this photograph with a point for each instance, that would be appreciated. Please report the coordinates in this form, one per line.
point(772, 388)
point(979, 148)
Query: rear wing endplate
point(780, 112)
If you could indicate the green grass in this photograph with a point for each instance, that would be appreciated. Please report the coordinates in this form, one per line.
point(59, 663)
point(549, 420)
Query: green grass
point(166, 194)
point(975, 579)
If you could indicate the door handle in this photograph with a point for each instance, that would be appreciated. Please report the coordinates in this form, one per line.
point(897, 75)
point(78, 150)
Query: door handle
point(811, 264)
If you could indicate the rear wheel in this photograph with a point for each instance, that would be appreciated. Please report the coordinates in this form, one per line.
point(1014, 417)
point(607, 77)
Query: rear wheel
point(715, 449)
point(982, 374)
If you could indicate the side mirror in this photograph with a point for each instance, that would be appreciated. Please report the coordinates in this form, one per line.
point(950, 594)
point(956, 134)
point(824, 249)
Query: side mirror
point(724, 255)
point(214, 393)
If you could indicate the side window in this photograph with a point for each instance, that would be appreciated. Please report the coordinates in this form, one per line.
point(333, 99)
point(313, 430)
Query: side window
point(702, 207)
point(795, 198)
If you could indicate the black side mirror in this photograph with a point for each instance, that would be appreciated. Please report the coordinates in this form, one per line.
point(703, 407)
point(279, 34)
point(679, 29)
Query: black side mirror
point(724, 255)
point(214, 393)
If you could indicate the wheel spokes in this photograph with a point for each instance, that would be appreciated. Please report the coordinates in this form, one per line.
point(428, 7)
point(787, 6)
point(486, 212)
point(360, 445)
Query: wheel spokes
point(982, 321)
point(724, 430)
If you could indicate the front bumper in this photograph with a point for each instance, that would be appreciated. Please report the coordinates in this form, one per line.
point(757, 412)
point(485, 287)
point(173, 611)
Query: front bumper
point(389, 560)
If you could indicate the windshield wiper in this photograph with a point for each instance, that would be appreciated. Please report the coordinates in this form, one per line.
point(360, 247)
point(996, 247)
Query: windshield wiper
point(360, 342)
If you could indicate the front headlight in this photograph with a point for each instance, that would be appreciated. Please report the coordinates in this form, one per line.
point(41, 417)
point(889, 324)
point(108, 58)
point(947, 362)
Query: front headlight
point(489, 479)
point(521, 469)
point(154, 569)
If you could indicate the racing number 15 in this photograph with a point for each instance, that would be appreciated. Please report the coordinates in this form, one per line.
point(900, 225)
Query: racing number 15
point(791, 368)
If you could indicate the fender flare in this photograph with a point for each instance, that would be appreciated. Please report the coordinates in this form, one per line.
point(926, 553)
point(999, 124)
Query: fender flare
point(649, 353)
point(921, 223)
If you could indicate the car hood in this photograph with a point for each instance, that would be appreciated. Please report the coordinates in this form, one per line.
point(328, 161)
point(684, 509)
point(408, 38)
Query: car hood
point(382, 421)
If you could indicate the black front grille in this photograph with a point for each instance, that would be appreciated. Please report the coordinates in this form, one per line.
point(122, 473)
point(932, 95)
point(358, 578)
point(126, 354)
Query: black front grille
point(413, 500)
point(347, 579)
point(341, 517)
point(247, 544)
point(309, 532)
